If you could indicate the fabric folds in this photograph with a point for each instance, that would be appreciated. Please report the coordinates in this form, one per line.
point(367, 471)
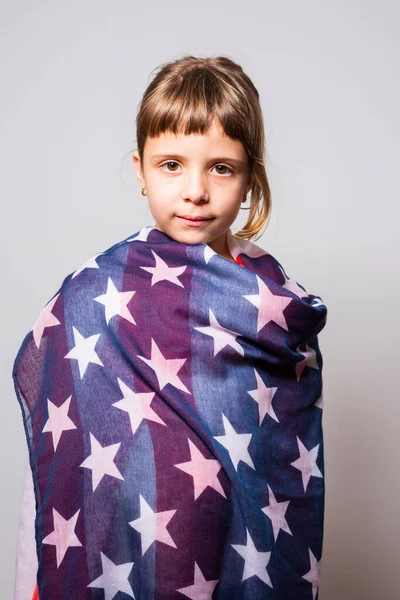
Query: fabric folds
point(172, 405)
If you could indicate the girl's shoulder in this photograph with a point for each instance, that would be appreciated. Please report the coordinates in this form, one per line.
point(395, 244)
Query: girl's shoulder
point(110, 261)
point(73, 298)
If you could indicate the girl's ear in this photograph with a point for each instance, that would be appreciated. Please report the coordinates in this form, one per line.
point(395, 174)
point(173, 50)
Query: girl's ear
point(138, 167)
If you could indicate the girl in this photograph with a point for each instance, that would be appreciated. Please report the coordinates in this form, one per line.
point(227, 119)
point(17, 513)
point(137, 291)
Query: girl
point(171, 389)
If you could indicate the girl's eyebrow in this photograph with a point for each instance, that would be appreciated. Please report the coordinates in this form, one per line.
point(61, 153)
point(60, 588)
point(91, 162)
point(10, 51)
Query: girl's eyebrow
point(214, 159)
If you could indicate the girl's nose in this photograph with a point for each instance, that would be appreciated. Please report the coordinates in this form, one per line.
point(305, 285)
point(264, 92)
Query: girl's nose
point(195, 188)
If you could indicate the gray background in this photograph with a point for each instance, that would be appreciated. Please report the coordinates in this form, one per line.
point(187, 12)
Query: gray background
point(72, 75)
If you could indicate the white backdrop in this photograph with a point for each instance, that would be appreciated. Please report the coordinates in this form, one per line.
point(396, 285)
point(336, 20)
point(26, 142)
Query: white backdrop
point(72, 75)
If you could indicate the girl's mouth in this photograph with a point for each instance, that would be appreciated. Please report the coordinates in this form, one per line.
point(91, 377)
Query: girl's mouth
point(195, 221)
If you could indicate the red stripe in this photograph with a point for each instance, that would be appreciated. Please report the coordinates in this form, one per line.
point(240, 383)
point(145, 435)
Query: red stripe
point(36, 593)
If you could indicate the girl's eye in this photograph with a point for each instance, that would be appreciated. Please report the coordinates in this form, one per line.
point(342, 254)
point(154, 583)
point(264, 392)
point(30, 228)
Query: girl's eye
point(170, 162)
point(174, 163)
point(223, 167)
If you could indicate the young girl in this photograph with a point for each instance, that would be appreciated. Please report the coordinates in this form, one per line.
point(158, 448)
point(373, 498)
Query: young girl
point(171, 389)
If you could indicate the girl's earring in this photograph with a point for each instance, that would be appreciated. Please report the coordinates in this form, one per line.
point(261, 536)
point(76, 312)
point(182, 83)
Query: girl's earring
point(144, 190)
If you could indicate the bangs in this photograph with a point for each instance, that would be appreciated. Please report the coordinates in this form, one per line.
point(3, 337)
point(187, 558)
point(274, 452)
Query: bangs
point(189, 102)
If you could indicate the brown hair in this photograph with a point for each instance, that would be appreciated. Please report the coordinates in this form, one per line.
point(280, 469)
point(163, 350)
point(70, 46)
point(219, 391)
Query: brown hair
point(186, 94)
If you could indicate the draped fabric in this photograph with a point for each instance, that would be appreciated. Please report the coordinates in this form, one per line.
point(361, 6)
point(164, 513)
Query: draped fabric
point(172, 405)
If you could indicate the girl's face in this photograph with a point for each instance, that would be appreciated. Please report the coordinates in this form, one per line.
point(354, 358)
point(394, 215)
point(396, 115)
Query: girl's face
point(196, 175)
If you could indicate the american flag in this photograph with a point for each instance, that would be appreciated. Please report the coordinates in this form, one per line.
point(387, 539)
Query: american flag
point(172, 405)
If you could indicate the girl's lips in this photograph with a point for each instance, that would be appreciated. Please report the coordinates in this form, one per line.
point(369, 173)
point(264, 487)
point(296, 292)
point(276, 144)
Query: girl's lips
point(195, 222)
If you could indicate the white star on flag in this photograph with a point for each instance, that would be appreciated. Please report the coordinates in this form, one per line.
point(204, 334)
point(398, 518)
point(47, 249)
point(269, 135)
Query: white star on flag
point(292, 285)
point(307, 463)
point(276, 512)
point(58, 420)
point(152, 526)
point(89, 264)
point(263, 395)
point(270, 306)
point(313, 574)
point(83, 351)
point(45, 319)
point(201, 589)
point(162, 272)
point(203, 470)
point(137, 405)
point(310, 360)
point(114, 578)
point(141, 236)
point(255, 562)
point(208, 253)
point(63, 536)
point(222, 337)
point(116, 303)
point(101, 461)
point(236, 444)
point(166, 369)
